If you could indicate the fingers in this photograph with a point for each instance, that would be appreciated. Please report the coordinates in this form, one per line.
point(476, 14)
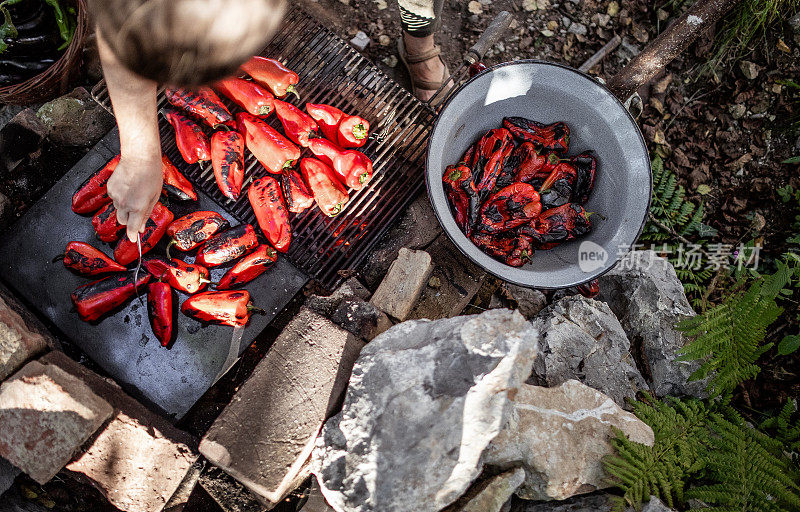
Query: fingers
point(122, 216)
point(136, 225)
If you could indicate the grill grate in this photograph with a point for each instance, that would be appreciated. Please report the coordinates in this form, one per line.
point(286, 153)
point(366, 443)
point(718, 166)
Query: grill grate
point(334, 73)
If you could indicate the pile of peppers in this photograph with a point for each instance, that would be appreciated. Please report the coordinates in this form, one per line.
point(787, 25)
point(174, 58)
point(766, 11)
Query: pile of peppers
point(515, 190)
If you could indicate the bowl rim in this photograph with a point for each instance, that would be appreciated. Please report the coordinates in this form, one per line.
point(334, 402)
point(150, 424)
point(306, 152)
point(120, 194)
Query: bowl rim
point(428, 176)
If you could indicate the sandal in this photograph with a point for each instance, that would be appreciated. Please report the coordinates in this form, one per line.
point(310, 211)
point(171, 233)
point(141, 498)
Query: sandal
point(407, 60)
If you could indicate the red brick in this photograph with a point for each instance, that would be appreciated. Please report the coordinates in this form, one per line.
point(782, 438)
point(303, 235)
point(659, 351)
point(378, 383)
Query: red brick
point(18, 343)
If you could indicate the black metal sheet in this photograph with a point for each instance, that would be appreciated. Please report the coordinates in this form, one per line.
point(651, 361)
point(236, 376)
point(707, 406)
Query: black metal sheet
point(123, 344)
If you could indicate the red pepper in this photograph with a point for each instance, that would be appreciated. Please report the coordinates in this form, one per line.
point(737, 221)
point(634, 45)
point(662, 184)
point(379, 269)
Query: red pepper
point(106, 225)
point(88, 261)
point(251, 97)
point(175, 183)
point(329, 194)
point(586, 167)
point(191, 140)
point(179, 274)
point(558, 225)
point(227, 159)
point(352, 167)
point(327, 118)
point(298, 196)
point(227, 246)
point(478, 155)
point(558, 188)
point(589, 290)
point(511, 248)
point(248, 268)
point(552, 137)
point(126, 251)
point(352, 132)
point(98, 298)
point(161, 310)
point(193, 229)
point(272, 149)
point(463, 196)
point(533, 165)
point(510, 207)
point(203, 103)
point(273, 75)
point(297, 125)
point(93, 194)
point(493, 167)
point(267, 201)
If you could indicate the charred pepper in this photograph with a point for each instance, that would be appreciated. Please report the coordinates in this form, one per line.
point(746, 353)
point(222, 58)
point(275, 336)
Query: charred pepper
point(558, 225)
point(327, 118)
point(298, 196)
point(297, 125)
point(267, 201)
point(88, 261)
point(458, 181)
point(248, 268)
point(175, 183)
point(329, 194)
point(352, 132)
point(478, 155)
point(227, 246)
point(492, 169)
point(586, 167)
point(353, 167)
point(551, 137)
point(510, 207)
point(126, 251)
point(272, 149)
point(190, 139)
point(161, 310)
point(251, 97)
point(193, 229)
point(558, 188)
point(203, 103)
point(184, 277)
point(98, 298)
point(273, 75)
point(106, 225)
point(227, 159)
point(93, 194)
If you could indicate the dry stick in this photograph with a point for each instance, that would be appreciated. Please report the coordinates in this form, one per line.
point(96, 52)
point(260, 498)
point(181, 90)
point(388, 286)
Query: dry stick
point(674, 233)
point(600, 54)
point(668, 45)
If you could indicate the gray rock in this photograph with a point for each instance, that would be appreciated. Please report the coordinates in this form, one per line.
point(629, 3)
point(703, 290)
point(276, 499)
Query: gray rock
point(360, 318)
point(361, 40)
point(560, 435)
point(326, 305)
point(75, 119)
point(582, 339)
point(424, 400)
point(794, 22)
point(627, 50)
point(491, 494)
point(585, 503)
point(577, 29)
point(8, 473)
point(655, 505)
point(530, 301)
point(648, 298)
point(404, 283)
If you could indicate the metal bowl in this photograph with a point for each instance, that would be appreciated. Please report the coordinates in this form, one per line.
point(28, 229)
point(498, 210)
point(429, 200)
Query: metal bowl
point(547, 92)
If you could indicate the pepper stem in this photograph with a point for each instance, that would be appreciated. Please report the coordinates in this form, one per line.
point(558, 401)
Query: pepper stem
point(59, 257)
point(252, 309)
point(292, 90)
point(360, 131)
point(224, 127)
point(169, 246)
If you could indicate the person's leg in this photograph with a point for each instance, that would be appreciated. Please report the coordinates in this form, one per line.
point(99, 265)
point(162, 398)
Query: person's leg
point(419, 20)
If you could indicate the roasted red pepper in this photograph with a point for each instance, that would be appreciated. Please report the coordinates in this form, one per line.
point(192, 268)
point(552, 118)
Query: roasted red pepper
point(551, 137)
point(251, 97)
point(193, 229)
point(227, 246)
point(352, 132)
point(478, 155)
point(327, 118)
point(248, 268)
point(106, 225)
point(492, 169)
point(297, 125)
point(531, 164)
point(227, 159)
point(98, 298)
point(589, 290)
point(175, 183)
point(586, 166)
point(558, 188)
point(353, 167)
point(273, 75)
point(126, 251)
point(184, 277)
point(93, 194)
point(329, 194)
point(298, 196)
point(272, 149)
point(203, 103)
point(461, 190)
point(511, 248)
point(190, 138)
point(88, 261)
point(558, 225)
point(267, 201)
point(161, 310)
point(510, 207)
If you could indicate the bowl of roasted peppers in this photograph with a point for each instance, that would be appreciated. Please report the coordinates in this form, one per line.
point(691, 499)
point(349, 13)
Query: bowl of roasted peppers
point(538, 174)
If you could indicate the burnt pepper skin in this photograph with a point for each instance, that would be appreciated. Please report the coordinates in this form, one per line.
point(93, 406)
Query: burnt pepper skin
point(184, 277)
point(329, 193)
point(510, 248)
point(193, 229)
point(105, 224)
point(227, 246)
point(558, 188)
point(266, 198)
point(127, 252)
point(175, 184)
point(231, 308)
point(492, 169)
point(299, 196)
point(93, 193)
point(89, 261)
point(297, 125)
point(273, 75)
point(461, 189)
point(510, 207)
point(532, 166)
point(98, 298)
point(248, 268)
point(248, 95)
point(227, 159)
point(479, 153)
point(190, 138)
point(558, 225)
point(551, 137)
point(162, 312)
point(203, 103)
point(274, 151)
point(586, 167)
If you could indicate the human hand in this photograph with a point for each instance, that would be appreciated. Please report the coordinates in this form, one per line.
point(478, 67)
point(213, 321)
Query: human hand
point(135, 187)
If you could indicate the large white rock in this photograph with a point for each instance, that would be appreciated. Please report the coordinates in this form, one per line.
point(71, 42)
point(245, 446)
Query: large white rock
point(424, 400)
point(560, 435)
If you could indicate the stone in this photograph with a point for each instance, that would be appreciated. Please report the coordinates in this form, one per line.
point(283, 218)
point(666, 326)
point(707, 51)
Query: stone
point(794, 22)
point(45, 416)
point(425, 399)
point(139, 460)
point(180, 498)
point(316, 501)
point(403, 284)
point(491, 494)
point(18, 343)
point(390, 61)
point(454, 282)
point(475, 7)
point(6, 211)
point(560, 435)
point(583, 503)
point(230, 495)
point(582, 339)
point(20, 139)
point(627, 50)
point(360, 41)
point(749, 69)
point(656, 505)
point(326, 305)
point(577, 29)
point(613, 8)
point(529, 5)
point(530, 301)
point(646, 295)
point(384, 40)
point(8, 473)
point(360, 318)
point(75, 119)
point(265, 435)
point(737, 110)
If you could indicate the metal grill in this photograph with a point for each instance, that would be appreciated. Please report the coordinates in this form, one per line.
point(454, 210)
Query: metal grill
point(334, 73)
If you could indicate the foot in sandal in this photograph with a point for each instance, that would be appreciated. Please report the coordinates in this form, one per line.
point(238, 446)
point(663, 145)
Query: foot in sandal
point(424, 63)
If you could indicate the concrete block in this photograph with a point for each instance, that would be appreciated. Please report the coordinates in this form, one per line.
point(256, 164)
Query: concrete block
point(403, 285)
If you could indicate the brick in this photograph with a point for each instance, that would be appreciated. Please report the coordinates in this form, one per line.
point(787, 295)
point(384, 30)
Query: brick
point(45, 416)
point(403, 284)
point(264, 437)
point(18, 343)
point(138, 460)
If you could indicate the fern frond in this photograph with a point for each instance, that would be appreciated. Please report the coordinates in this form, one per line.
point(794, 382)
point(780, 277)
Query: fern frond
point(786, 427)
